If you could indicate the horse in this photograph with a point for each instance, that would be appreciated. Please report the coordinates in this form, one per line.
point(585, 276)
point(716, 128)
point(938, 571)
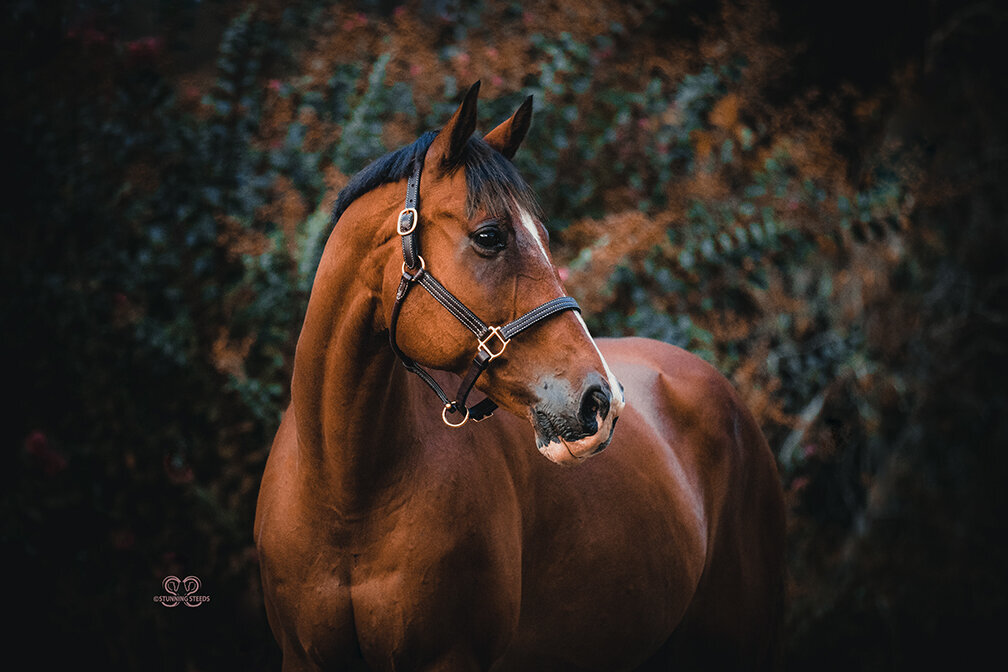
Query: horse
point(395, 532)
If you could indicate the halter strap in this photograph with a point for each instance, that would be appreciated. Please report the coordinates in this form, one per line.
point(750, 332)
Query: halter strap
point(492, 341)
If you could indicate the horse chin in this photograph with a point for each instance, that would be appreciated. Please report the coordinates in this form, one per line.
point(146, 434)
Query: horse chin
point(573, 452)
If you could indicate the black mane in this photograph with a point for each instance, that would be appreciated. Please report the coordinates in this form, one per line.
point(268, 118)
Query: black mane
point(493, 182)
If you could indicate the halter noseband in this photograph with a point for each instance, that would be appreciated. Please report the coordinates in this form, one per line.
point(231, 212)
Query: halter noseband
point(492, 341)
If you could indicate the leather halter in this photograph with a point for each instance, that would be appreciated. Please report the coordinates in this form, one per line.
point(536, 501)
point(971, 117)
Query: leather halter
point(492, 341)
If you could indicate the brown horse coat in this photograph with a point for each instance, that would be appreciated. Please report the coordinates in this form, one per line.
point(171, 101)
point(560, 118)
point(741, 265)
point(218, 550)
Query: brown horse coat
point(390, 541)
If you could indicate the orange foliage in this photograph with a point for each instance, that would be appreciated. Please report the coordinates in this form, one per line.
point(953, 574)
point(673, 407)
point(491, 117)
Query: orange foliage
point(237, 239)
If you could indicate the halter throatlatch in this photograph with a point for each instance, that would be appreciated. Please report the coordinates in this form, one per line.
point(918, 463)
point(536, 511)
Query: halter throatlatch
point(491, 341)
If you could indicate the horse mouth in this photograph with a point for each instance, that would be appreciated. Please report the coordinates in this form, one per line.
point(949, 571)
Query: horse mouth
point(571, 446)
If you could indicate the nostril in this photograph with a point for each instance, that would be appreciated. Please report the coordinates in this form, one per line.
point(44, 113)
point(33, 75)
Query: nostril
point(594, 408)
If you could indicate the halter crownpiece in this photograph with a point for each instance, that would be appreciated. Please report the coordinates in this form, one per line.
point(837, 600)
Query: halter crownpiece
point(491, 341)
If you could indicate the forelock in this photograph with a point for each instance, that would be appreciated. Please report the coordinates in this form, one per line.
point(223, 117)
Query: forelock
point(493, 182)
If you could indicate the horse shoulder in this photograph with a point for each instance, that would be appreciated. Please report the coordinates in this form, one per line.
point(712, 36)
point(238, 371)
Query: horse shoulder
point(738, 600)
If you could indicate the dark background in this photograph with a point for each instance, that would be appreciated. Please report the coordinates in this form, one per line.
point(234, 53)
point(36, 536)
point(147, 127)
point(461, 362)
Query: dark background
point(809, 195)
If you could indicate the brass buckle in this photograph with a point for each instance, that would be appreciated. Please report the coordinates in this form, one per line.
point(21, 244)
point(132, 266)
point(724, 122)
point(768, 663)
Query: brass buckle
point(494, 331)
point(444, 415)
point(414, 216)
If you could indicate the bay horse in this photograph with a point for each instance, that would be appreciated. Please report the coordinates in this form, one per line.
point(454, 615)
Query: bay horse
point(395, 533)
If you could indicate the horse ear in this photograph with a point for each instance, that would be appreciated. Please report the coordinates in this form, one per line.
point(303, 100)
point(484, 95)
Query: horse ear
point(506, 137)
point(451, 140)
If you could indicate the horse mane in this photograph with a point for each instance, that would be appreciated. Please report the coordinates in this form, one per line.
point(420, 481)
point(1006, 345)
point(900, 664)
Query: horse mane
point(494, 184)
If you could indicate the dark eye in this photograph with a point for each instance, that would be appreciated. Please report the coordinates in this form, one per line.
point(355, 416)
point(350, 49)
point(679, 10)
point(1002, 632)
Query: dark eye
point(489, 239)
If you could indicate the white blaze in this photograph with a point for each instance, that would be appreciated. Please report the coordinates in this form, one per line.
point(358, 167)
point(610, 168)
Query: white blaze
point(617, 391)
point(614, 385)
point(533, 230)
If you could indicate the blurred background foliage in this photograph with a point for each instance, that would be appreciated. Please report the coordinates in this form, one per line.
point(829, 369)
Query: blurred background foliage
point(811, 199)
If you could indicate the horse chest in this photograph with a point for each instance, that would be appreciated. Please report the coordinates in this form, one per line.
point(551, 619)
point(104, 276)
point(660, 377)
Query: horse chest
point(398, 588)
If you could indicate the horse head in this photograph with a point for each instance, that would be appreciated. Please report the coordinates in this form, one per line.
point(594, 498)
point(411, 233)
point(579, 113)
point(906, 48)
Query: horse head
point(475, 225)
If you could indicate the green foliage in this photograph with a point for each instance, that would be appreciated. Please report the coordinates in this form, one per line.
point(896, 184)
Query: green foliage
point(578, 127)
point(361, 141)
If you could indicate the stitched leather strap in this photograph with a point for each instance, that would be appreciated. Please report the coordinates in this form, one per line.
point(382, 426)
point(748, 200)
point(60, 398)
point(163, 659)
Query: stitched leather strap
point(536, 315)
point(409, 218)
point(454, 306)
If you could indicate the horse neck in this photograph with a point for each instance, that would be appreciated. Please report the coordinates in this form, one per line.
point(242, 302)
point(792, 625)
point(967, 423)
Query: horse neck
point(347, 388)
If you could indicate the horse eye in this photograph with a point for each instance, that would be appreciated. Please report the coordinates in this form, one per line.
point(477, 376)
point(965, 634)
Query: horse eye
point(489, 239)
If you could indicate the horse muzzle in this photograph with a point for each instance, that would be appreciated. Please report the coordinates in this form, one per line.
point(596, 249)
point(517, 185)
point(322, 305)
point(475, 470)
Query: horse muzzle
point(572, 427)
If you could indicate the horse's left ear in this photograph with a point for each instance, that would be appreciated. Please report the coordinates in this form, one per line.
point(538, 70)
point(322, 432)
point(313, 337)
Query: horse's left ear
point(451, 140)
point(506, 137)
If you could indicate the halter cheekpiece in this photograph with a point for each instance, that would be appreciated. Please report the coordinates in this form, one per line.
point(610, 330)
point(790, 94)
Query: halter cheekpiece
point(491, 341)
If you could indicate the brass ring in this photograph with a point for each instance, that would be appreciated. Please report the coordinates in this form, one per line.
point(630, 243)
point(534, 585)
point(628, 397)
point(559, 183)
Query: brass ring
point(444, 416)
point(423, 267)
